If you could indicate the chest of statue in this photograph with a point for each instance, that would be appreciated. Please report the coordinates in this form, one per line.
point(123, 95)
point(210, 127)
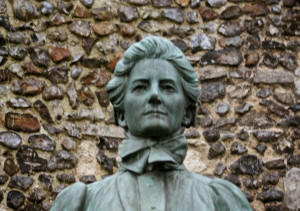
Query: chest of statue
point(159, 191)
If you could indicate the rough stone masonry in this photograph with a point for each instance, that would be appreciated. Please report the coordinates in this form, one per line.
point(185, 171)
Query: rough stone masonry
point(56, 123)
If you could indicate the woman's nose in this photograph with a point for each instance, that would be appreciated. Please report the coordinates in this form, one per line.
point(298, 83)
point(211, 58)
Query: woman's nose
point(154, 96)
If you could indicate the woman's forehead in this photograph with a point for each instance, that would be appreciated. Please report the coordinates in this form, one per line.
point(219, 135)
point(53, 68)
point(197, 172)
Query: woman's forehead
point(154, 68)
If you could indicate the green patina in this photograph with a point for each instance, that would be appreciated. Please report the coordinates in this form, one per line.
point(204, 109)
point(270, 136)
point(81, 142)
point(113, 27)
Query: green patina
point(154, 93)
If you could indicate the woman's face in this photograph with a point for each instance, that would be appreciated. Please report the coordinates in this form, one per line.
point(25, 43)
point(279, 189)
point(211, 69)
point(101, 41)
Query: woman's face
point(154, 103)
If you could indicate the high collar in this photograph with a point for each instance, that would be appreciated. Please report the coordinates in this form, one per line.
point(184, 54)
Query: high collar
point(140, 154)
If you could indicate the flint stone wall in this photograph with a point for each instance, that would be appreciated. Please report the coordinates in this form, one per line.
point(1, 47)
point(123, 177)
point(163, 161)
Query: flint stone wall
point(56, 124)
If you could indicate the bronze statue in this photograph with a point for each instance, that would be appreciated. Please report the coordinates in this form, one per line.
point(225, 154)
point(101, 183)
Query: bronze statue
point(154, 94)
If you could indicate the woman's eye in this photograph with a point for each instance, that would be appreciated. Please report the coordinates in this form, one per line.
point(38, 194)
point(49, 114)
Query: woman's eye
point(169, 88)
point(139, 88)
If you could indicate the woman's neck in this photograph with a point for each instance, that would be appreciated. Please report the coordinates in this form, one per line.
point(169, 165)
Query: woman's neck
point(155, 138)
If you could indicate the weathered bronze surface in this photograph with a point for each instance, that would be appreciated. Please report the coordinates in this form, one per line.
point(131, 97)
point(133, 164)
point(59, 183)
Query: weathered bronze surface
point(154, 93)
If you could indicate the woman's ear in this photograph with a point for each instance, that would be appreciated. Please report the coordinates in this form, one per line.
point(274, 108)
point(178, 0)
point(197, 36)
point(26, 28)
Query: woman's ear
point(121, 119)
point(188, 117)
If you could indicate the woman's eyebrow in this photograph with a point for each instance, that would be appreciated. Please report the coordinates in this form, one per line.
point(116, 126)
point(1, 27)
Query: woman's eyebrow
point(168, 80)
point(140, 80)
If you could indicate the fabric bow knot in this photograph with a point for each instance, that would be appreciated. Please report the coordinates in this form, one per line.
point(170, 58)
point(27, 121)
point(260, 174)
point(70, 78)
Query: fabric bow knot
point(140, 155)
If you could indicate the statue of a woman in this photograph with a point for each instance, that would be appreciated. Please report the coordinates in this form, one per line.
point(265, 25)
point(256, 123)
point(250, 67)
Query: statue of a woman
point(154, 94)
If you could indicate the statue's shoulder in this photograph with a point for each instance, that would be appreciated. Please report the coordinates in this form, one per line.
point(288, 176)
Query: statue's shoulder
point(76, 197)
point(199, 177)
point(226, 195)
point(105, 183)
point(71, 198)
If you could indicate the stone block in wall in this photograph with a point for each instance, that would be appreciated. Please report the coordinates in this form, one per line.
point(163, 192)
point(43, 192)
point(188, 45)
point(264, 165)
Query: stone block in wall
point(25, 10)
point(104, 28)
point(231, 57)
point(21, 122)
point(257, 8)
point(42, 142)
point(39, 56)
point(174, 14)
point(10, 139)
point(202, 42)
point(271, 195)
point(247, 164)
point(80, 27)
point(62, 160)
point(92, 114)
point(29, 160)
point(15, 199)
point(231, 12)
point(98, 130)
point(128, 14)
point(231, 28)
point(292, 189)
point(273, 77)
point(41, 107)
point(161, 3)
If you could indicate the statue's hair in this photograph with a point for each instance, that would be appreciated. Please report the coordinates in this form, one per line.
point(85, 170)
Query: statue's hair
point(153, 48)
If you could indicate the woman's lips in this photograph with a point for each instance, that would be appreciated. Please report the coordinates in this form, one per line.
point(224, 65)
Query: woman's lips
point(155, 112)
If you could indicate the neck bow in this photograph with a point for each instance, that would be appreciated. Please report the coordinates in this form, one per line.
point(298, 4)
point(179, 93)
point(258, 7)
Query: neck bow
point(140, 155)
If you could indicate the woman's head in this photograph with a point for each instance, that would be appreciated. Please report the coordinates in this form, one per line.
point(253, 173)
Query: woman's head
point(153, 48)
